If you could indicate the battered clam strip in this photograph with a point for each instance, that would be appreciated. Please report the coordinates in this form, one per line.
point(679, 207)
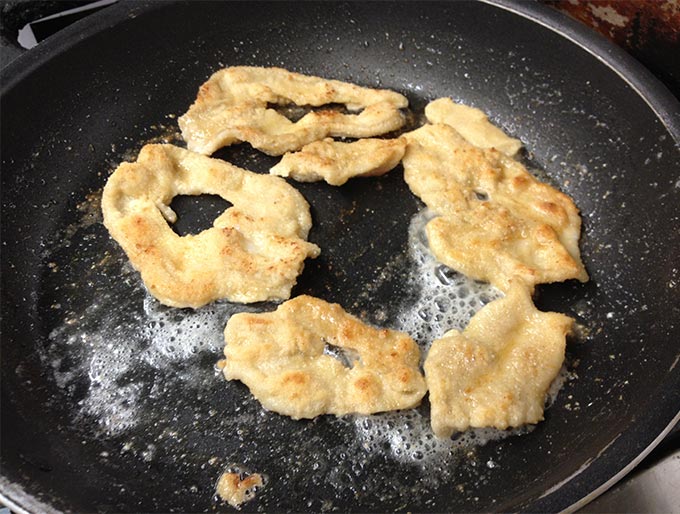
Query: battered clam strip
point(232, 107)
point(496, 220)
point(336, 162)
point(253, 252)
point(472, 124)
point(496, 373)
point(283, 357)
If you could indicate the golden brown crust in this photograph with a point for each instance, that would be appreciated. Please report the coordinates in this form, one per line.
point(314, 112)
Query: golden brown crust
point(280, 357)
point(496, 373)
point(253, 252)
point(231, 107)
point(497, 222)
point(336, 162)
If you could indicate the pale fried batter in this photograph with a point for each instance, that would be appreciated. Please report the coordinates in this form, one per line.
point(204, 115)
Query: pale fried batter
point(496, 373)
point(336, 162)
point(282, 357)
point(254, 251)
point(236, 491)
point(472, 124)
point(496, 220)
point(232, 106)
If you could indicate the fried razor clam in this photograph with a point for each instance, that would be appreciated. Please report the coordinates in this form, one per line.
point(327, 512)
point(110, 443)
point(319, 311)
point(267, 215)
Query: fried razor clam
point(496, 373)
point(496, 221)
point(232, 107)
point(286, 359)
point(336, 162)
point(472, 124)
point(253, 252)
point(489, 243)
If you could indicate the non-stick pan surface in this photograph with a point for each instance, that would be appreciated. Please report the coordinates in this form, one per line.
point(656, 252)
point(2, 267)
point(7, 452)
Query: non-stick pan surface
point(110, 401)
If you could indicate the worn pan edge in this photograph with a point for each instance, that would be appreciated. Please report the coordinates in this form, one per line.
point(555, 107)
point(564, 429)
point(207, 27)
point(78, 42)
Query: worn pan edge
point(650, 89)
point(660, 100)
point(621, 474)
point(18, 501)
point(63, 40)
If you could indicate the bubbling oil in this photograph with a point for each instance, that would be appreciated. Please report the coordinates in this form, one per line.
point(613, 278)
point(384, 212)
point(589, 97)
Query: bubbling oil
point(115, 349)
point(443, 300)
point(446, 299)
point(122, 353)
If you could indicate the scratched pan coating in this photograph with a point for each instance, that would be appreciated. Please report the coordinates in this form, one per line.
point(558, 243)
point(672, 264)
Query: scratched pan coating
point(110, 402)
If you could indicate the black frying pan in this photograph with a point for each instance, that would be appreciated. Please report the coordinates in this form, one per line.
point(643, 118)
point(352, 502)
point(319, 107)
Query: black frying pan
point(147, 426)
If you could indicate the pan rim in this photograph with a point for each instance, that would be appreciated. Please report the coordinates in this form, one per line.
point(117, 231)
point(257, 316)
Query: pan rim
point(650, 89)
point(664, 105)
point(14, 502)
point(623, 472)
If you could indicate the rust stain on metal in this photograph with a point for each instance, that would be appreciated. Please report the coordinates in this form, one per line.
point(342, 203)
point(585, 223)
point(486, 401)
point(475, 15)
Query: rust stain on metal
point(629, 23)
point(647, 29)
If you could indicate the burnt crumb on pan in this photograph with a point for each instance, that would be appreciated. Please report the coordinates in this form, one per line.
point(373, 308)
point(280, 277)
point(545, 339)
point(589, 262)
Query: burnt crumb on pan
point(237, 486)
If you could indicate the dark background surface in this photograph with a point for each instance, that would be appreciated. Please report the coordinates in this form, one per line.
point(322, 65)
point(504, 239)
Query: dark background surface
point(16, 14)
point(648, 29)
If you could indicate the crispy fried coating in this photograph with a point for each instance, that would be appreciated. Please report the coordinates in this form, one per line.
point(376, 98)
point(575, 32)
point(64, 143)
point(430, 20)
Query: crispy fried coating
point(496, 221)
point(236, 491)
point(232, 107)
point(253, 252)
point(472, 124)
point(336, 162)
point(283, 357)
point(496, 373)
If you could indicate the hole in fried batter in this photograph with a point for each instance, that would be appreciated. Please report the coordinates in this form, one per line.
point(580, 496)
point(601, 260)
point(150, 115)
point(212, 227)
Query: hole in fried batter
point(481, 196)
point(346, 356)
point(196, 213)
point(296, 112)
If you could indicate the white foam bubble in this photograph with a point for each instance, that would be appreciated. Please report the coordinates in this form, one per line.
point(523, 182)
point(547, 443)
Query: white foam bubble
point(111, 351)
point(111, 347)
point(175, 334)
point(408, 438)
point(446, 300)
